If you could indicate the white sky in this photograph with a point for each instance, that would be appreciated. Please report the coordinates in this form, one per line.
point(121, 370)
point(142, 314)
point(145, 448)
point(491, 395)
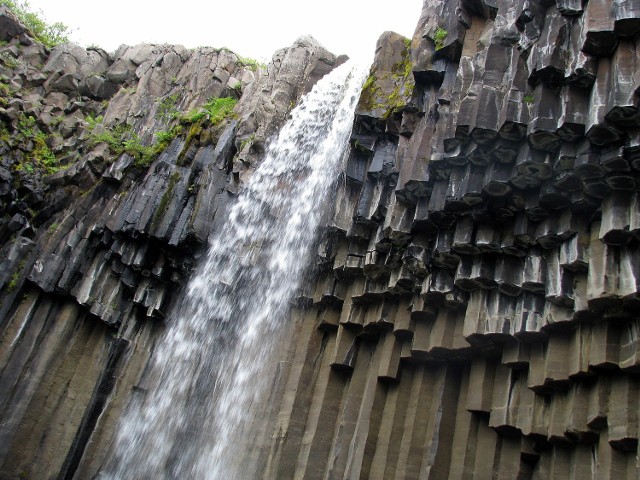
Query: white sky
point(251, 28)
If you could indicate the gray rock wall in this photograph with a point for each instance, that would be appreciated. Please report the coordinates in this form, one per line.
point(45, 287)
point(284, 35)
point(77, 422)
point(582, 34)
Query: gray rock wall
point(475, 314)
point(98, 236)
point(477, 308)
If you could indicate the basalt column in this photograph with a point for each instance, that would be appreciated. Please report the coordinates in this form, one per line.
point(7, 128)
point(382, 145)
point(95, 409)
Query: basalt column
point(477, 311)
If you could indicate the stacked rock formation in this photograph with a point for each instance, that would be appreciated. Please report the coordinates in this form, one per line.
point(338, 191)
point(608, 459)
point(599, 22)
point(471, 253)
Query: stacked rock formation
point(96, 244)
point(479, 291)
point(475, 311)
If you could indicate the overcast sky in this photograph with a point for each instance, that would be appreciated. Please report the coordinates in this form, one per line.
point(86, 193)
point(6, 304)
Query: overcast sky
point(251, 28)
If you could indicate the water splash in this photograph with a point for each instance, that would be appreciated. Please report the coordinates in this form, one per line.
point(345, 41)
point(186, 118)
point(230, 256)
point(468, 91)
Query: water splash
point(213, 364)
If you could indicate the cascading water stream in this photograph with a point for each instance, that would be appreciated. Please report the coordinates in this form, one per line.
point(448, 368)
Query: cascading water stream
point(209, 369)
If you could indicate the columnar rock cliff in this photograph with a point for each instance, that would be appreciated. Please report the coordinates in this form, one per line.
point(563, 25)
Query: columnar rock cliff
point(115, 170)
point(475, 308)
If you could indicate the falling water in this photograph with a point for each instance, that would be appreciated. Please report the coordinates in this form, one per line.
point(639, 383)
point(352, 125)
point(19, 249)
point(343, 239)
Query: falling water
point(208, 370)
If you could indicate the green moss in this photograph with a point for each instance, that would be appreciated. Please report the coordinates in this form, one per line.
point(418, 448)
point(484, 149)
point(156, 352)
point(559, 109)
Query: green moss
point(121, 139)
point(213, 112)
point(370, 91)
point(208, 115)
point(52, 228)
point(439, 37)
point(194, 132)
point(11, 286)
point(401, 73)
point(395, 101)
point(133, 146)
point(358, 146)
point(220, 108)
point(13, 283)
point(44, 158)
point(528, 99)
point(403, 69)
point(193, 116)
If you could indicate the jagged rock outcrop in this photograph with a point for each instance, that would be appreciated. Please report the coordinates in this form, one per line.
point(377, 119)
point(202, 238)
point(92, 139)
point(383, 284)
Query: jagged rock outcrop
point(475, 311)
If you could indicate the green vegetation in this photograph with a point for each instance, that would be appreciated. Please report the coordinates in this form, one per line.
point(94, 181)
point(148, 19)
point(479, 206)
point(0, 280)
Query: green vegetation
point(166, 136)
point(44, 158)
point(251, 63)
point(5, 136)
point(25, 125)
point(369, 92)
point(114, 137)
point(92, 121)
point(200, 119)
point(167, 109)
point(40, 157)
point(402, 70)
point(528, 99)
point(11, 286)
point(372, 97)
point(5, 90)
point(214, 111)
point(370, 83)
point(358, 146)
point(52, 228)
point(122, 139)
point(439, 37)
point(402, 75)
point(8, 60)
point(50, 34)
point(13, 283)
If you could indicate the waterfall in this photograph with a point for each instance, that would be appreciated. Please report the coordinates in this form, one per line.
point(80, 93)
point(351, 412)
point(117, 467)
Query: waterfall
point(213, 363)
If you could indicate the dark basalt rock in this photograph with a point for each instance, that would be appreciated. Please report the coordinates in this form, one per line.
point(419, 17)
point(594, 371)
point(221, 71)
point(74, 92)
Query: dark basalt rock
point(103, 239)
point(473, 308)
point(10, 26)
point(521, 198)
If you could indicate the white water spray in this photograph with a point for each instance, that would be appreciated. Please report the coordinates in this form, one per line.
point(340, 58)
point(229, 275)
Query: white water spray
point(213, 363)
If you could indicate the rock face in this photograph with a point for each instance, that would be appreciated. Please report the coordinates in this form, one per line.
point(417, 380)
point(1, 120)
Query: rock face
point(475, 311)
point(114, 171)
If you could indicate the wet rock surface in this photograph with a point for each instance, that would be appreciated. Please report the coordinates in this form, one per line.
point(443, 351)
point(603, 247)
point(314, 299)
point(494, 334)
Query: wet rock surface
point(114, 171)
point(477, 303)
point(475, 311)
